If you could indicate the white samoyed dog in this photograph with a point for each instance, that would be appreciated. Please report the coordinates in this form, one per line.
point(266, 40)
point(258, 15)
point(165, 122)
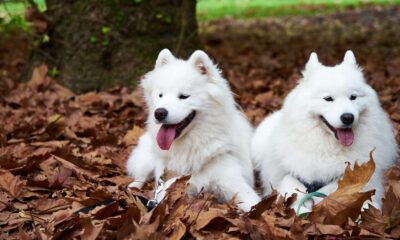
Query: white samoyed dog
point(331, 117)
point(194, 127)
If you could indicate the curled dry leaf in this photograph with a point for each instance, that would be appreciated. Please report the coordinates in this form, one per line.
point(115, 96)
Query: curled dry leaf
point(91, 229)
point(11, 184)
point(372, 220)
point(391, 212)
point(48, 205)
point(214, 217)
point(265, 204)
point(347, 200)
point(179, 230)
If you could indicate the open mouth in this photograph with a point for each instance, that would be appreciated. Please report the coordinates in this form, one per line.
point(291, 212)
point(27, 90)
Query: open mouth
point(344, 135)
point(169, 132)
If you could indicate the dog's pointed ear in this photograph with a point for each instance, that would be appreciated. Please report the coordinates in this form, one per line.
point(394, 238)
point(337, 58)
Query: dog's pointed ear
point(349, 58)
point(202, 62)
point(312, 62)
point(164, 57)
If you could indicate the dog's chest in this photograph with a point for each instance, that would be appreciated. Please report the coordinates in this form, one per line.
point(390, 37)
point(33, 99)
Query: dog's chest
point(192, 159)
point(183, 162)
point(314, 168)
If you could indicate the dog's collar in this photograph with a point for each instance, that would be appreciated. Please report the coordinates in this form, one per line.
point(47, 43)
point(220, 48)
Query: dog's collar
point(316, 185)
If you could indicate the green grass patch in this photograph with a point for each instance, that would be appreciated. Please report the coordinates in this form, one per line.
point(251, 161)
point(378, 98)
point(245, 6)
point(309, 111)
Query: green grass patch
point(216, 9)
point(17, 8)
point(12, 15)
point(12, 11)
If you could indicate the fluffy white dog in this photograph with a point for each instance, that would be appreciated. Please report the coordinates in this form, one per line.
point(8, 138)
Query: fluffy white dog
point(331, 117)
point(194, 128)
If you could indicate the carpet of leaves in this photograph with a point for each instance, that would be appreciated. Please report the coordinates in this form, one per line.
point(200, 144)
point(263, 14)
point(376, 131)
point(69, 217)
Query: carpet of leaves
point(62, 155)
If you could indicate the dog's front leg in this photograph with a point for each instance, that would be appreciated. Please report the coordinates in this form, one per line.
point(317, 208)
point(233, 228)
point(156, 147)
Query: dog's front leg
point(376, 182)
point(327, 189)
point(225, 178)
point(246, 196)
point(290, 185)
point(142, 163)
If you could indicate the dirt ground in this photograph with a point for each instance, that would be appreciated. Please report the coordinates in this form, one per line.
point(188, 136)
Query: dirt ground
point(62, 155)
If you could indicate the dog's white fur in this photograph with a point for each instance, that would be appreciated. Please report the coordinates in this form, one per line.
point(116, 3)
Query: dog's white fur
point(214, 148)
point(294, 143)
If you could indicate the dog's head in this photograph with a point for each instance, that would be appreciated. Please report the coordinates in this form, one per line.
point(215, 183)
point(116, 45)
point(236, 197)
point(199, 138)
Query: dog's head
point(177, 91)
point(335, 97)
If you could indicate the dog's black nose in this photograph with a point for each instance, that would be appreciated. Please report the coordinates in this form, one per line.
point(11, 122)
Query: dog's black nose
point(347, 118)
point(160, 114)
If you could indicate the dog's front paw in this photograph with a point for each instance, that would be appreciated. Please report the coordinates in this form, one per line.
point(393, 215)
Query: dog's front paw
point(306, 207)
point(136, 184)
point(245, 206)
point(303, 210)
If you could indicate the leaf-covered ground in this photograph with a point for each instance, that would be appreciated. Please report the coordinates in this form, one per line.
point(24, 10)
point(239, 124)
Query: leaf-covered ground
point(62, 155)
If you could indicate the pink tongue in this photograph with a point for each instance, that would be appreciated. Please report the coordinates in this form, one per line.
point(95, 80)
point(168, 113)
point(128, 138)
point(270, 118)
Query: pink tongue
point(345, 136)
point(166, 136)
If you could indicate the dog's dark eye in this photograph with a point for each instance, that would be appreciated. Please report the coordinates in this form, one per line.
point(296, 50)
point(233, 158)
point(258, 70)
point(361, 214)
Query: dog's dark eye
point(353, 97)
point(328, 99)
point(160, 95)
point(183, 96)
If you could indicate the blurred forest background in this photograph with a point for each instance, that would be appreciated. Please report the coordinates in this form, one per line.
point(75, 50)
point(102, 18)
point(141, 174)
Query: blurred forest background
point(97, 44)
point(70, 111)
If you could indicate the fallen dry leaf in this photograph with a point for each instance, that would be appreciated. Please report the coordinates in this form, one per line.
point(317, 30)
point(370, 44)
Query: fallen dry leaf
point(372, 220)
point(179, 230)
point(391, 211)
point(90, 230)
point(11, 184)
point(347, 200)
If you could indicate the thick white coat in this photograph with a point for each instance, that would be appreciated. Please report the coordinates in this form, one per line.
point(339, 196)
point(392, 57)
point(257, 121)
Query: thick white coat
point(214, 148)
point(294, 142)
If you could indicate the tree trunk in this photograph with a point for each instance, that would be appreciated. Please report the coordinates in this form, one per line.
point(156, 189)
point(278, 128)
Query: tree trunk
point(92, 45)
